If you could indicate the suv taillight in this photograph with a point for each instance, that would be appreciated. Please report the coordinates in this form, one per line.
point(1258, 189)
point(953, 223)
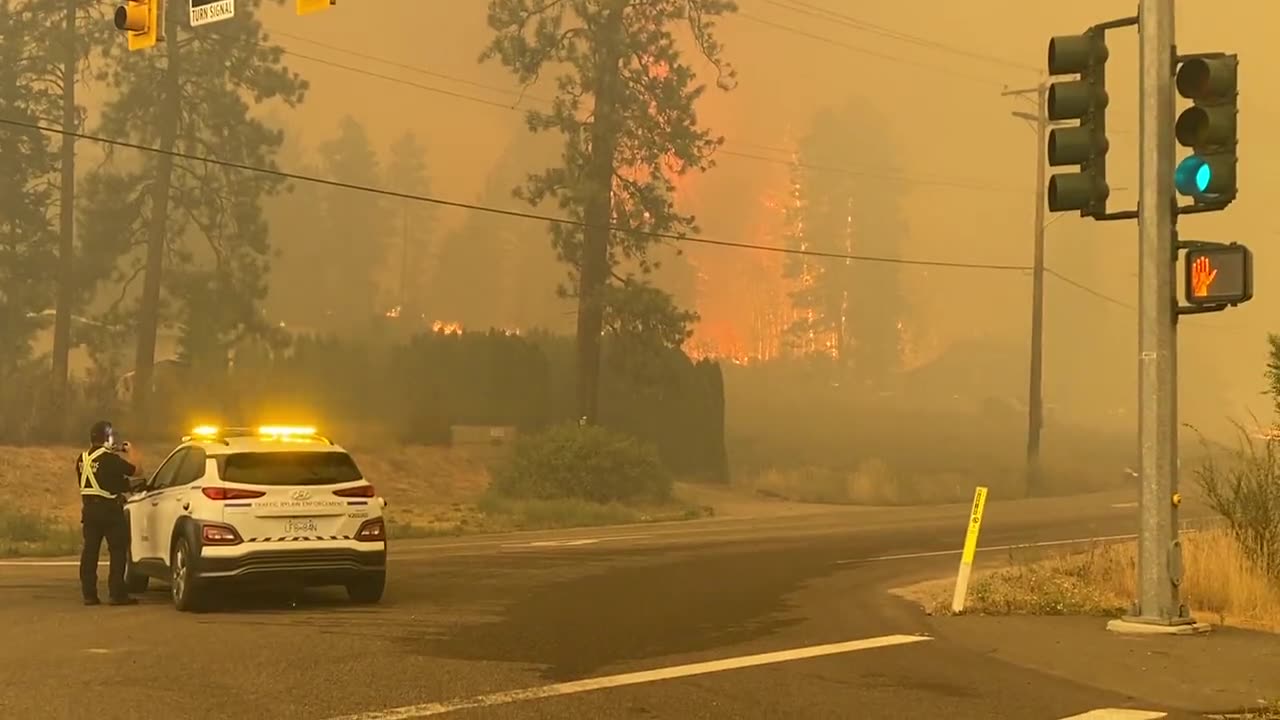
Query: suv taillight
point(364, 491)
point(372, 531)
point(219, 535)
point(226, 493)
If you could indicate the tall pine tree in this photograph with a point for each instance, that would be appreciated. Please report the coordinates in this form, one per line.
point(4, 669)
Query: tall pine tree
point(625, 107)
point(187, 227)
point(350, 282)
point(850, 310)
point(414, 224)
point(27, 250)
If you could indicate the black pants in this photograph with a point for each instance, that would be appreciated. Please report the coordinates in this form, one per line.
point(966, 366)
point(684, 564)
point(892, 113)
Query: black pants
point(104, 521)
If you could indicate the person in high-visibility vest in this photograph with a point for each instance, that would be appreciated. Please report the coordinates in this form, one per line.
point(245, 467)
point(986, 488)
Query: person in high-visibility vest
point(104, 476)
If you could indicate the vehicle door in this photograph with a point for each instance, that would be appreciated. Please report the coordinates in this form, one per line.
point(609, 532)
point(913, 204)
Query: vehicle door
point(152, 546)
point(174, 500)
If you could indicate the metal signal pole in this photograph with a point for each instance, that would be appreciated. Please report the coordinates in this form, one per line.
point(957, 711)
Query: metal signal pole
point(1159, 551)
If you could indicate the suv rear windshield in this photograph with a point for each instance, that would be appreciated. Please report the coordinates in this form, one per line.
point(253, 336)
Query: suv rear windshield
point(288, 468)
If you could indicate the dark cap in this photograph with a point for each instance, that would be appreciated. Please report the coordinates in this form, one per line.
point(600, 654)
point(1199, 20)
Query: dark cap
point(100, 433)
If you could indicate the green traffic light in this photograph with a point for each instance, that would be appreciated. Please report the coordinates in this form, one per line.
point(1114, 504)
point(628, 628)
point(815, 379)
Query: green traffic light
point(1193, 176)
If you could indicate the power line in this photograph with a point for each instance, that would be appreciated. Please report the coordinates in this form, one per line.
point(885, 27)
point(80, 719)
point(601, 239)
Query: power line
point(805, 8)
point(402, 81)
point(878, 175)
point(740, 154)
point(500, 211)
point(1089, 290)
point(414, 68)
point(896, 59)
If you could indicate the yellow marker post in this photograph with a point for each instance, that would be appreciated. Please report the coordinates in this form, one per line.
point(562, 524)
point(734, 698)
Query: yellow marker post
point(970, 549)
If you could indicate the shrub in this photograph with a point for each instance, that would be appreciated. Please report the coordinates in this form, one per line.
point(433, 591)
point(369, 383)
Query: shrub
point(1246, 492)
point(587, 463)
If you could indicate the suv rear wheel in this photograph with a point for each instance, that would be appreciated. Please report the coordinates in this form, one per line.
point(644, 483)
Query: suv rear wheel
point(367, 589)
point(187, 593)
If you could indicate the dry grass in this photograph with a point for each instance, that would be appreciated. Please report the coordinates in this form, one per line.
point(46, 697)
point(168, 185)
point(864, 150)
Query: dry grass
point(875, 482)
point(1219, 585)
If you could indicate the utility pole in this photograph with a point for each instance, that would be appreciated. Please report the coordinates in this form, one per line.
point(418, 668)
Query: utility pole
point(404, 260)
point(1035, 397)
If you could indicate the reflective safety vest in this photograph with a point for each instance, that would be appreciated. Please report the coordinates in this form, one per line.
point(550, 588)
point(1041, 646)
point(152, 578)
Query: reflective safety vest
point(88, 482)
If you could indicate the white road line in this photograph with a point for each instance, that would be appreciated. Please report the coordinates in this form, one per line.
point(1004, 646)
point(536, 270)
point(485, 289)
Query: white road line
point(989, 548)
point(635, 678)
point(1125, 505)
point(44, 563)
point(1118, 714)
point(574, 542)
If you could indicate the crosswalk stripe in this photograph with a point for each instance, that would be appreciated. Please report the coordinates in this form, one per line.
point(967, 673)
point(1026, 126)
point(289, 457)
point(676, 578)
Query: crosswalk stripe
point(1118, 714)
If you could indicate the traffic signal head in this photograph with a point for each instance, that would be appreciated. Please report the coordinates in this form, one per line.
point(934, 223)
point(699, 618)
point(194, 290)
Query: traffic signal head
point(305, 7)
point(140, 20)
point(1219, 275)
point(1209, 128)
point(1085, 145)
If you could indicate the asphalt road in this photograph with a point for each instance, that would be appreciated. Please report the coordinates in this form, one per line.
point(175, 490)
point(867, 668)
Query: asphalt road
point(508, 626)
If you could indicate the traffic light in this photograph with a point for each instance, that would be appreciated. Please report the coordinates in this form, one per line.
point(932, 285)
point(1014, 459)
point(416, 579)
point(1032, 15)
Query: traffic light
point(140, 19)
point(1208, 127)
point(1083, 99)
point(1219, 275)
point(306, 7)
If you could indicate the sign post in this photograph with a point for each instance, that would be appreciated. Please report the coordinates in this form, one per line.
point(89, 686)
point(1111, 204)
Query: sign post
point(204, 12)
point(970, 549)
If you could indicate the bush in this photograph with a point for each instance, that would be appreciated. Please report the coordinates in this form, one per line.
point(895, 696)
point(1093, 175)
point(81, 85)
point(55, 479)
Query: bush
point(1246, 493)
point(586, 463)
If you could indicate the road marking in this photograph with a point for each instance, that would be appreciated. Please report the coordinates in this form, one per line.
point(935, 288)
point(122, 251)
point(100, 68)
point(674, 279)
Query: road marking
point(43, 563)
point(574, 542)
point(1125, 505)
point(943, 553)
point(634, 678)
point(1118, 714)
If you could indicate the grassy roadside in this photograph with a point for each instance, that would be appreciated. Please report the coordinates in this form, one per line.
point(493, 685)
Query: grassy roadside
point(1220, 585)
point(24, 534)
point(496, 514)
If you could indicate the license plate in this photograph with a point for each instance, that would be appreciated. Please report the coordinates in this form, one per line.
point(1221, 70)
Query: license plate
point(297, 527)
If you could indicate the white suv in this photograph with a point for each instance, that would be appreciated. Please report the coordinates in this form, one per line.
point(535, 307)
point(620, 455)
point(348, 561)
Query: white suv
point(275, 504)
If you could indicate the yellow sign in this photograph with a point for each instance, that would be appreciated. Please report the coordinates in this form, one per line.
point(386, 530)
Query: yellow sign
point(975, 525)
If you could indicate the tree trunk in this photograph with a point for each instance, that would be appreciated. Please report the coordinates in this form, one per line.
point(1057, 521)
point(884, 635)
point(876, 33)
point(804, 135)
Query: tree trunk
point(157, 235)
point(67, 216)
point(593, 273)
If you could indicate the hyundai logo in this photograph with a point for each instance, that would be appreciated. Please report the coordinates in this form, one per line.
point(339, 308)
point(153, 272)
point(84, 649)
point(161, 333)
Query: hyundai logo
point(300, 494)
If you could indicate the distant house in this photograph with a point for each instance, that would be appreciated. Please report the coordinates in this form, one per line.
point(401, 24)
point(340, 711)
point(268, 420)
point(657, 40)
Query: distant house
point(165, 372)
point(977, 375)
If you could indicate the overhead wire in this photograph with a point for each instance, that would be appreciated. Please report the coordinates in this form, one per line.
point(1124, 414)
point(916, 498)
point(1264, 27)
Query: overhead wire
point(884, 175)
point(675, 237)
point(1085, 288)
point(895, 59)
point(412, 68)
point(827, 14)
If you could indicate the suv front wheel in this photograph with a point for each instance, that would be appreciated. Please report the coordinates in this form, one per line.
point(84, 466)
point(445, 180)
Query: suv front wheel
point(187, 593)
point(134, 581)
